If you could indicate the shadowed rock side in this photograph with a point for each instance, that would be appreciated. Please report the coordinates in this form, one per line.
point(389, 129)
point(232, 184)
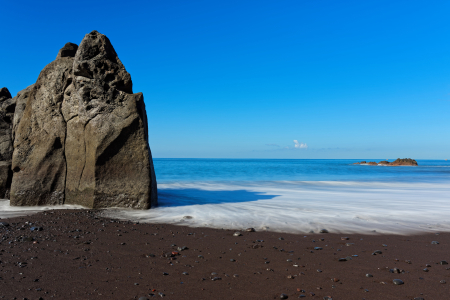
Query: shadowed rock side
point(109, 162)
point(7, 105)
point(38, 161)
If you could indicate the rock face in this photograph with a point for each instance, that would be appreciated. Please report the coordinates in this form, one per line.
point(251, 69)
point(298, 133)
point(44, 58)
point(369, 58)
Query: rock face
point(107, 149)
point(7, 106)
point(81, 138)
point(38, 161)
point(21, 101)
point(397, 162)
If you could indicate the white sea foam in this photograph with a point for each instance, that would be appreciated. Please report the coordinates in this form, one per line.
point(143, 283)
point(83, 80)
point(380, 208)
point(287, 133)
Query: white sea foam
point(297, 207)
point(7, 211)
point(300, 207)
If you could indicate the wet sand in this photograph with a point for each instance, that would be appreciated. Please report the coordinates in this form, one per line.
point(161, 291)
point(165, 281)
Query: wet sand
point(79, 254)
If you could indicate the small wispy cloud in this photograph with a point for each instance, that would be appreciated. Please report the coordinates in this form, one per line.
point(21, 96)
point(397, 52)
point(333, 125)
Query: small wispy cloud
point(300, 145)
point(273, 145)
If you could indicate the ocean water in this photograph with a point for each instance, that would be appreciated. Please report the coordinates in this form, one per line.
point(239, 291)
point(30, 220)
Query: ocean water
point(297, 196)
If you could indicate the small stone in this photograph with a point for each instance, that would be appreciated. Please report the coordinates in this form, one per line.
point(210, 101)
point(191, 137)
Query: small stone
point(443, 262)
point(4, 224)
point(425, 270)
point(232, 260)
point(284, 296)
point(250, 229)
point(165, 274)
point(366, 290)
point(398, 281)
point(434, 243)
point(319, 271)
point(335, 279)
point(290, 277)
point(185, 273)
point(280, 238)
point(344, 238)
point(442, 281)
point(384, 245)
point(349, 244)
point(235, 275)
point(323, 231)
point(408, 262)
point(427, 265)
point(342, 259)
point(419, 298)
point(161, 294)
point(302, 296)
point(376, 252)
point(237, 233)
point(318, 248)
point(369, 275)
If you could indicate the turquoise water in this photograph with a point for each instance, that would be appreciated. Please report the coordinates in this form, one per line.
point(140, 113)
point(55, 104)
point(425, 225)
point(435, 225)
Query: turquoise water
point(300, 196)
point(170, 170)
point(295, 196)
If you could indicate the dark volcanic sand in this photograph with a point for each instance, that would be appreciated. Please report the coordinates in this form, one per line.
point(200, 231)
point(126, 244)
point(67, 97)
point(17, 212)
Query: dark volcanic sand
point(81, 255)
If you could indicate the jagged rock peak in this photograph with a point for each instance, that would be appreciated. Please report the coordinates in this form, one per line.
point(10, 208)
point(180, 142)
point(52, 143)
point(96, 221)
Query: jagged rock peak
point(4, 93)
point(97, 59)
point(69, 50)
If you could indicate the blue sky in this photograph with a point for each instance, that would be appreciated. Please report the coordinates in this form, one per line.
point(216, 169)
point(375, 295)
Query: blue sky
point(244, 79)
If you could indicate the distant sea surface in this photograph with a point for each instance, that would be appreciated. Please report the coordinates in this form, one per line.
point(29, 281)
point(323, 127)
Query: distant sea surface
point(298, 195)
point(176, 170)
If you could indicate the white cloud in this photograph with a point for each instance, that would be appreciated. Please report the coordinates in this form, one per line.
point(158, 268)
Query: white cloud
point(300, 145)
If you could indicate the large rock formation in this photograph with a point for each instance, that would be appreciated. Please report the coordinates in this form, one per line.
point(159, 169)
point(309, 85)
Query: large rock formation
point(7, 106)
point(81, 138)
point(107, 149)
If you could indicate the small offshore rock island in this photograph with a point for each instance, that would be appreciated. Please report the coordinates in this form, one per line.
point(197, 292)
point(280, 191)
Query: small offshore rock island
point(397, 162)
point(78, 135)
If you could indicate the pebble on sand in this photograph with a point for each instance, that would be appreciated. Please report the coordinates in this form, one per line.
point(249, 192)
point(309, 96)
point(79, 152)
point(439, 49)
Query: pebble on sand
point(398, 281)
point(323, 231)
point(237, 233)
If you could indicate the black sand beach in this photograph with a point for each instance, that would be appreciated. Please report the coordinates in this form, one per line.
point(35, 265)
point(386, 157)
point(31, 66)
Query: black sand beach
point(78, 254)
